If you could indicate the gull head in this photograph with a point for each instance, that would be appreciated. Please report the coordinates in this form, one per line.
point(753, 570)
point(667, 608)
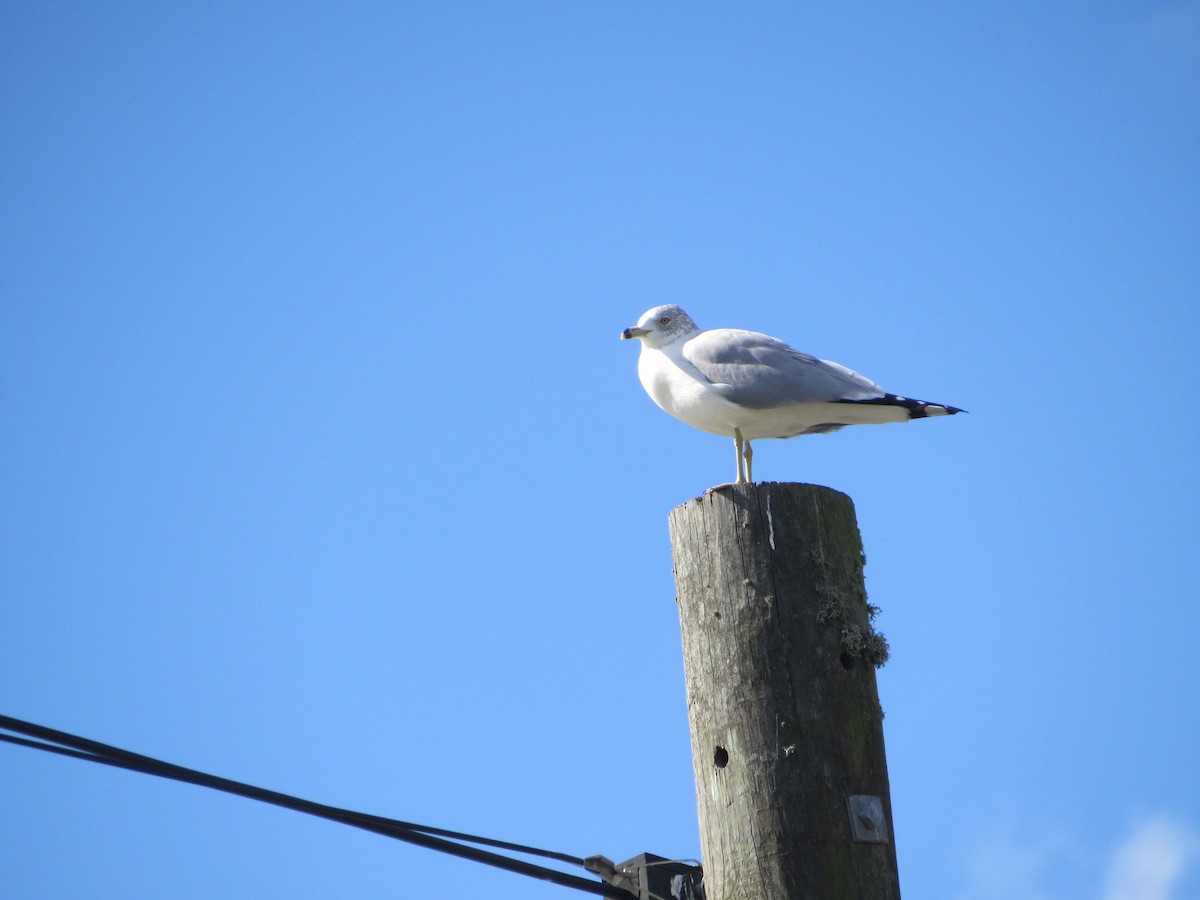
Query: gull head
point(661, 326)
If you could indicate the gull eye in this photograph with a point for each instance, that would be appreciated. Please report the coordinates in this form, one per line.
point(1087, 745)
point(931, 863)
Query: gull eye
point(665, 320)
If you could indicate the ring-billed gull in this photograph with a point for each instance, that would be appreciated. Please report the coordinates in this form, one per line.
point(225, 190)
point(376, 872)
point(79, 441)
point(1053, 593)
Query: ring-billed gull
point(746, 385)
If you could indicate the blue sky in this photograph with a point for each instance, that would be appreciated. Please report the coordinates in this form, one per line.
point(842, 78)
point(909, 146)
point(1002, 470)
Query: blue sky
point(323, 467)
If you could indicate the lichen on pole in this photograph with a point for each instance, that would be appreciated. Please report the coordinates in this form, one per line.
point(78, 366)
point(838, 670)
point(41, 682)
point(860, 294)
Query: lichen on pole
point(787, 732)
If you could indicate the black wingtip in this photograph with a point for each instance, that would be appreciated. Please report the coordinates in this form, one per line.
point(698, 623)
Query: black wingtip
point(917, 409)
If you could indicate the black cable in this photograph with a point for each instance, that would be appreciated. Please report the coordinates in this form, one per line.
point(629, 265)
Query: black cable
point(65, 744)
point(144, 765)
point(97, 752)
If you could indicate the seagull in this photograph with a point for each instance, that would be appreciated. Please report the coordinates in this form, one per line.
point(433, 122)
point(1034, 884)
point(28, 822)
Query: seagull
point(747, 385)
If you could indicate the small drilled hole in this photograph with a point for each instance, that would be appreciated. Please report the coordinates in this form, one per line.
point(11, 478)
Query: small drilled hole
point(847, 661)
point(721, 758)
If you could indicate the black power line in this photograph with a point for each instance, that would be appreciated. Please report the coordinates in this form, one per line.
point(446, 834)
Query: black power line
point(455, 843)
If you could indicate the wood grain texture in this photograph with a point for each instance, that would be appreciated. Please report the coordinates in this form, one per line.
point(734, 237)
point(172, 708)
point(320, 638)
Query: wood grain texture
point(786, 724)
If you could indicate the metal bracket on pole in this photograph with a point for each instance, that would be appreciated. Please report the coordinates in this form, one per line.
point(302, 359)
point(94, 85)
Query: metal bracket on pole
point(651, 877)
point(867, 824)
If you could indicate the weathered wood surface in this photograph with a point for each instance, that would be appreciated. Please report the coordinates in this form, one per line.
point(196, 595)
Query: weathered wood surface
point(785, 718)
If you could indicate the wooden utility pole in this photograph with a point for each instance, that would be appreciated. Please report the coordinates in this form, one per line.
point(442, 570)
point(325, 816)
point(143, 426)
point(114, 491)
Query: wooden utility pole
point(787, 732)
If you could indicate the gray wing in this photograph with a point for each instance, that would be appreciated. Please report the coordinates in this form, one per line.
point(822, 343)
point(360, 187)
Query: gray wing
point(761, 372)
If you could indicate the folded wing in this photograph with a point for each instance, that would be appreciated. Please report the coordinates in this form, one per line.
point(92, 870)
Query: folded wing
point(761, 372)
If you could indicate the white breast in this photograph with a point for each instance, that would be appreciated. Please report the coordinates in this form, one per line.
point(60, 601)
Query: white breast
point(676, 386)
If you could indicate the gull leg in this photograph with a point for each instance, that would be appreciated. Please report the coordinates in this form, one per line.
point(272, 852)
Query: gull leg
point(748, 452)
point(738, 443)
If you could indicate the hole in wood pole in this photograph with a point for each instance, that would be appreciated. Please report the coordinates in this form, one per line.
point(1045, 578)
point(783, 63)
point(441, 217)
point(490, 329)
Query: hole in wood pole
point(847, 661)
point(721, 758)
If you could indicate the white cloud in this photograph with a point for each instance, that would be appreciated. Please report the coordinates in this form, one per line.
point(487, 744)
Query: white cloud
point(1150, 862)
point(1027, 861)
point(1014, 862)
